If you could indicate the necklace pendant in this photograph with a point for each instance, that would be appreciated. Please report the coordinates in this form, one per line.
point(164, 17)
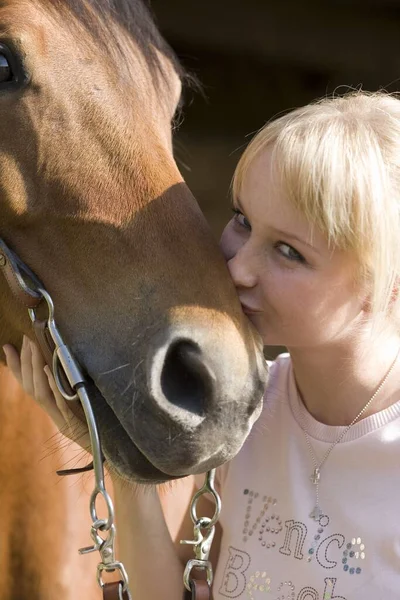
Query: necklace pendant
point(316, 513)
point(316, 476)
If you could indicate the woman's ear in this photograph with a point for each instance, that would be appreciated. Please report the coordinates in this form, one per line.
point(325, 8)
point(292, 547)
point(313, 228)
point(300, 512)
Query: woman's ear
point(366, 294)
point(394, 296)
point(395, 292)
point(366, 305)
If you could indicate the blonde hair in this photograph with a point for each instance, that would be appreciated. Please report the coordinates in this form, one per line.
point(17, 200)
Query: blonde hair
point(339, 163)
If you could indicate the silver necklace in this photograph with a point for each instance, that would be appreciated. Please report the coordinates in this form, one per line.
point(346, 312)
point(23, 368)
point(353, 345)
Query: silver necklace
point(315, 478)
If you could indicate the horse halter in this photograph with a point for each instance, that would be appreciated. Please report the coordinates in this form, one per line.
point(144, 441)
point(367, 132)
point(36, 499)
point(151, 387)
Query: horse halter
point(30, 292)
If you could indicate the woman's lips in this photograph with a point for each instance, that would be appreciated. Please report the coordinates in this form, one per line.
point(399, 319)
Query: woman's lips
point(248, 310)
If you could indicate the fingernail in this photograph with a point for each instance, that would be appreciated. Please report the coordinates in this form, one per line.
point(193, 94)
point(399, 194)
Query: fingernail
point(5, 350)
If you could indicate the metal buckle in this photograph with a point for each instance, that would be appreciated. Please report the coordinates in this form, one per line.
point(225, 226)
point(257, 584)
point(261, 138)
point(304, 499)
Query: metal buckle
point(199, 564)
point(202, 542)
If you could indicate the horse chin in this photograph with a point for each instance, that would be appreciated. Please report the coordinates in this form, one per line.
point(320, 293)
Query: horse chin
point(123, 457)
point(126, 460)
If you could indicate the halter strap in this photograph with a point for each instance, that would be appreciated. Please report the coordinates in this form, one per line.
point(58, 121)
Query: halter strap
point(22, 281)
point(12, 268)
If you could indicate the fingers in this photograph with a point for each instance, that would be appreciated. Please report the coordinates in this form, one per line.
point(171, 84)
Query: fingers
point(48, 396)
point(13, 361)
point(61, 404)
point(37, 380)
point(73, 427)
point(44, 394)
point(26, 367)
point(22, 366)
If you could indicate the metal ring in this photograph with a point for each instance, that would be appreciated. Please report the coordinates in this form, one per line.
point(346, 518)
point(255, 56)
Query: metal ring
point(107, 498)
point(64, 394)
point(97, 526)
point(101, 525)
point(204, 522)
point(195, 500)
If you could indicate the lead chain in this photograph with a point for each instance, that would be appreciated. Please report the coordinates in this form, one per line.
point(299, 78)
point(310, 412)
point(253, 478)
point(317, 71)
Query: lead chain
point(202, 541)
point(64, 360)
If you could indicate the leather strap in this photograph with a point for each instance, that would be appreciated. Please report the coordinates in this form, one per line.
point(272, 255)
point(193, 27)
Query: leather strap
point(114, 591)
point(200, 589)
point(15, 272)
point(10, 266)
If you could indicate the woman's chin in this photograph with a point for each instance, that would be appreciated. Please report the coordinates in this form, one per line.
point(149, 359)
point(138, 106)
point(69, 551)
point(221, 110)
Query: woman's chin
point(271, 340)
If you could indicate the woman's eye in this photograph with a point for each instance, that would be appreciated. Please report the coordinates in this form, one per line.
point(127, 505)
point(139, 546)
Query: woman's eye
point(241, 219)
point(289, 252)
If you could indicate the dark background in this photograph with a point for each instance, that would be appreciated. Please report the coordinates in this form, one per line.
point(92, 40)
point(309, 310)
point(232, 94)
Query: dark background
point(256, 58)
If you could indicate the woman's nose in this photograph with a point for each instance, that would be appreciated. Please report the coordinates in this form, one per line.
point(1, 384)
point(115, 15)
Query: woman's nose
point(242, 270)
point(237, 253)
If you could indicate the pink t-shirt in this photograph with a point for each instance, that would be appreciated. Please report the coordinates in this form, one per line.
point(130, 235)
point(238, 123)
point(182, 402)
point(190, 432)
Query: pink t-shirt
point(271, 547)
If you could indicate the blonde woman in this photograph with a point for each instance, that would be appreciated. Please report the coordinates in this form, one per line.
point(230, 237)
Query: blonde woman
point(310, 504)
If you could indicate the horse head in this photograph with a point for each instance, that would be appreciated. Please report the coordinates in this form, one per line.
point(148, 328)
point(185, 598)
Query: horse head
point(92, 200)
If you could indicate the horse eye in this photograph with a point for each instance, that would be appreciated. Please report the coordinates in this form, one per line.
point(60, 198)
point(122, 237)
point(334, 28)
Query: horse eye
point(5, 70)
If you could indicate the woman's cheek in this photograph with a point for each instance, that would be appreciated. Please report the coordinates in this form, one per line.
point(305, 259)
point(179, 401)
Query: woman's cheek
point(229, 243)
point(274, 281)
point(280, 292)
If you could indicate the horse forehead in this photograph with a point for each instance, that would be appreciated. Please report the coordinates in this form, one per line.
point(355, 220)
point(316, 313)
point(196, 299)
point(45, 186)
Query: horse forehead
point(95, 35)
point(140, 64)
point(46, 25)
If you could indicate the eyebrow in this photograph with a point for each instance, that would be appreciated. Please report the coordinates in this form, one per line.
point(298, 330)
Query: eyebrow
point(293, 236)
point(285, 234)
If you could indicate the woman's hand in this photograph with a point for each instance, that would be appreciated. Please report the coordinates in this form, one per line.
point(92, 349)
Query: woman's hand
point(37, 380)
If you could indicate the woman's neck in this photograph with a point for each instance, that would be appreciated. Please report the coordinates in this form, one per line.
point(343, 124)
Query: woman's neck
point(336, 382)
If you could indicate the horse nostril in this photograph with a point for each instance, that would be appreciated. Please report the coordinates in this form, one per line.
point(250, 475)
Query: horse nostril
point(186, 381)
